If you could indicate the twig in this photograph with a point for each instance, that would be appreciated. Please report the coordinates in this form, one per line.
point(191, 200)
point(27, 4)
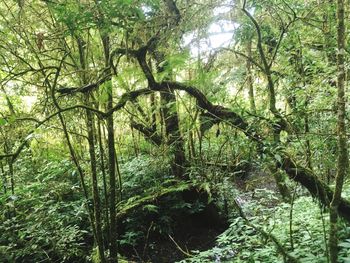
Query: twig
point(147, 237)
point(179, 248)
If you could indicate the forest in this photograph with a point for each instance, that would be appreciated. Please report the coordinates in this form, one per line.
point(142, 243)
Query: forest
point(181, 131)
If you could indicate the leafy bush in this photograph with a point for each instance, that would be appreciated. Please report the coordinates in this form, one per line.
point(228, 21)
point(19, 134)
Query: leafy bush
point(243, 242)
point(146, 176)
point(46, 220)
point(142, 173)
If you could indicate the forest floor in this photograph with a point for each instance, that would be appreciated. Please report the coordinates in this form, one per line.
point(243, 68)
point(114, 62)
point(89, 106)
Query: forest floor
point(197, 233)
point(179, 246)
point(187, 236)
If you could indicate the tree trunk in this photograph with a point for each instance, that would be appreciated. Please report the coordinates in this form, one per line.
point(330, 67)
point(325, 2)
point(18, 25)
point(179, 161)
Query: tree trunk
point(4, 179)
point(250, 78)
point(172, 131)
point(153, 112)
point(342, 162)
point(95, 191)
point(171, 121)
point(112, 159)
point(90, 125)
point(80, 172)
point(307, 142)
point(104, 179)
point(12, 179)
point(279, 122)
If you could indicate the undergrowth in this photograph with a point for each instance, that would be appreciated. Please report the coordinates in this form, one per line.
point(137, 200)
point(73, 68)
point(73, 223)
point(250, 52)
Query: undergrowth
point(45, 220)
point(304, 239)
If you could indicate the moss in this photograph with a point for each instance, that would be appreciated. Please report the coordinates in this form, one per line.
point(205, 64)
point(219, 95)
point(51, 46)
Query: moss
point(137, 201)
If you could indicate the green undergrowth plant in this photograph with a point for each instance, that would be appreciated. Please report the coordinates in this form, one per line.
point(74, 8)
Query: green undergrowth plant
point(153, 196)
point(344, 231)
point(46, 220)
point(250, 239)
point(144, 172)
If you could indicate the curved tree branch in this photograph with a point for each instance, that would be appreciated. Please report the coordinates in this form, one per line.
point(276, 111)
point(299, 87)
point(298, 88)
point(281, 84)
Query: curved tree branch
point(149, 133)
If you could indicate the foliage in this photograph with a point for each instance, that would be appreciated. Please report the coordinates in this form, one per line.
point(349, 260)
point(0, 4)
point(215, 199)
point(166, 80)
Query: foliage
point(164, 66)
point(242, 242)
point(45, 221)
point(144, 172)
point(156, 194)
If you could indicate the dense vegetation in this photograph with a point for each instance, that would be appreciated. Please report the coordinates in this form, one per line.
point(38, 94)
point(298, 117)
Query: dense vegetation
point(174, 131)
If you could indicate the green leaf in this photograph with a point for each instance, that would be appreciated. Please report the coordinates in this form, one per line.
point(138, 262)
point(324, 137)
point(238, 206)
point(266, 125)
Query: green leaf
point(2, 121)
point(278, 158)
point(344, 244)
point(151, 208)
point(105, 91)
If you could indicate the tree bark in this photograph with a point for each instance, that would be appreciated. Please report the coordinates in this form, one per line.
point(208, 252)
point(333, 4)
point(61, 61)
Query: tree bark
point(112, 159)
point(172, 131)
point(95, 191)
point(104, 180)
point(250, 78)
point(342, 162)
point(3, 175)
point(90, 125)
point(171, 121)
point(12, 179)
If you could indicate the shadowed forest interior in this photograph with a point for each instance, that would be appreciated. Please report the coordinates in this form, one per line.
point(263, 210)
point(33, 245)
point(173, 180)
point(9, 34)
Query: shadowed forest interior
point(174, 131)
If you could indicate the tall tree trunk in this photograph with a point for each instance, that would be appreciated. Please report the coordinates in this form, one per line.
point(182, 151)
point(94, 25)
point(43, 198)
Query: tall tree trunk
point(250, 78)
point(307, 130)
point(301, 69)
point(90, 123)
point(171, 121)
point(192, 148)
point(277, 128)
point(12, 179)
point(104, 179)
point(279, 123)
point(79, 169)
point(95, 191)
point(3, 175)
point(172, 131)
point(342, 162)
point(153, 112)
point(112, 161)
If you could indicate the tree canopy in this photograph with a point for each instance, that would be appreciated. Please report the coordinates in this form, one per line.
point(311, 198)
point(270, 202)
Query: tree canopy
point(174, 130)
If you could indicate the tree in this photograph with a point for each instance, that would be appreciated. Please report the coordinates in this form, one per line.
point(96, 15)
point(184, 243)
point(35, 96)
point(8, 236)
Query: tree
point(108, 73)
point(342, 164)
